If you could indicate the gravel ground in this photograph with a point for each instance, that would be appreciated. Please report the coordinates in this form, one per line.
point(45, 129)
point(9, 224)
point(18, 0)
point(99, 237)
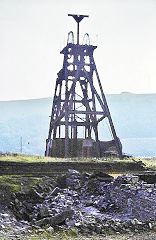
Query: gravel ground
point(143, 236)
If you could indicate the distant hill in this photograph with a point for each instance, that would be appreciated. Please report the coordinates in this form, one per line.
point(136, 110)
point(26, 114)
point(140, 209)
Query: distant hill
point(134, 117)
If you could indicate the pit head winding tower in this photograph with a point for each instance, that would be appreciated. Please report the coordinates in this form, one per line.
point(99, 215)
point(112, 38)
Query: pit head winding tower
point(79, 104)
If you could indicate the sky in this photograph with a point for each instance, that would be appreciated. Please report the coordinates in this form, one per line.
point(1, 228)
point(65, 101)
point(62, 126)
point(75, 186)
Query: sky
point(33, 32)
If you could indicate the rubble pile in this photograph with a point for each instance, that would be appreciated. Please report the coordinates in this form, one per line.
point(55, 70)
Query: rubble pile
point(89, 203)
point(10, 226)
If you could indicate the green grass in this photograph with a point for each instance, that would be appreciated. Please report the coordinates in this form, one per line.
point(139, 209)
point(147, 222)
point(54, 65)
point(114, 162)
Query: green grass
point(32, 158)
point(14, 183)
point(150, 163)
point(24, 158)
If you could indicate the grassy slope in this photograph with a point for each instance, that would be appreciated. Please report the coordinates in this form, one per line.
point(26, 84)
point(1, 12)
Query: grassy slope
point(149, 162)
point(14, 183)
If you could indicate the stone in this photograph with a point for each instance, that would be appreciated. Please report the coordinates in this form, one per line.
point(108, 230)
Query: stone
point(2, 226)
point(73, 172)
point(50, 229)
point(101, 176)
point(40, 230)
point(61, 217)
point(42, 222)
point(37, 197)
point(135, 221)
point(78, 224)
point(44, 212)
point(91, 211)
point(55, 220)
point(150, 225)
point(61, 181)
point(55, 191)
point(70, 222)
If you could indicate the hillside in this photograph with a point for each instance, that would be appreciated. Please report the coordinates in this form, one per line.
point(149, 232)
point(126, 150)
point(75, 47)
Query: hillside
point(133, 116)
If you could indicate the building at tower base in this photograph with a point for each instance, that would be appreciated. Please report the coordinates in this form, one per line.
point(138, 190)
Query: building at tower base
point(82, 148)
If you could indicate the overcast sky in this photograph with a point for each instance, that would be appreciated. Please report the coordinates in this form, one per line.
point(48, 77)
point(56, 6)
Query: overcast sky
point(32, 33)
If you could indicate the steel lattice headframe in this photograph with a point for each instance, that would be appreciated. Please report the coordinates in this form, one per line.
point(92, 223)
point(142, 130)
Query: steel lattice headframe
point(76, 98)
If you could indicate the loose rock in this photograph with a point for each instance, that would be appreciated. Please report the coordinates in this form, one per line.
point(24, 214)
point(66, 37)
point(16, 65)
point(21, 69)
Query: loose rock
point(90, 203)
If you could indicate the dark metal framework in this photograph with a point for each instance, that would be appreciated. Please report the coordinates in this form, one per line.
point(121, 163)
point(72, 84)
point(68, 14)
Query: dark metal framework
point(76, 98)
